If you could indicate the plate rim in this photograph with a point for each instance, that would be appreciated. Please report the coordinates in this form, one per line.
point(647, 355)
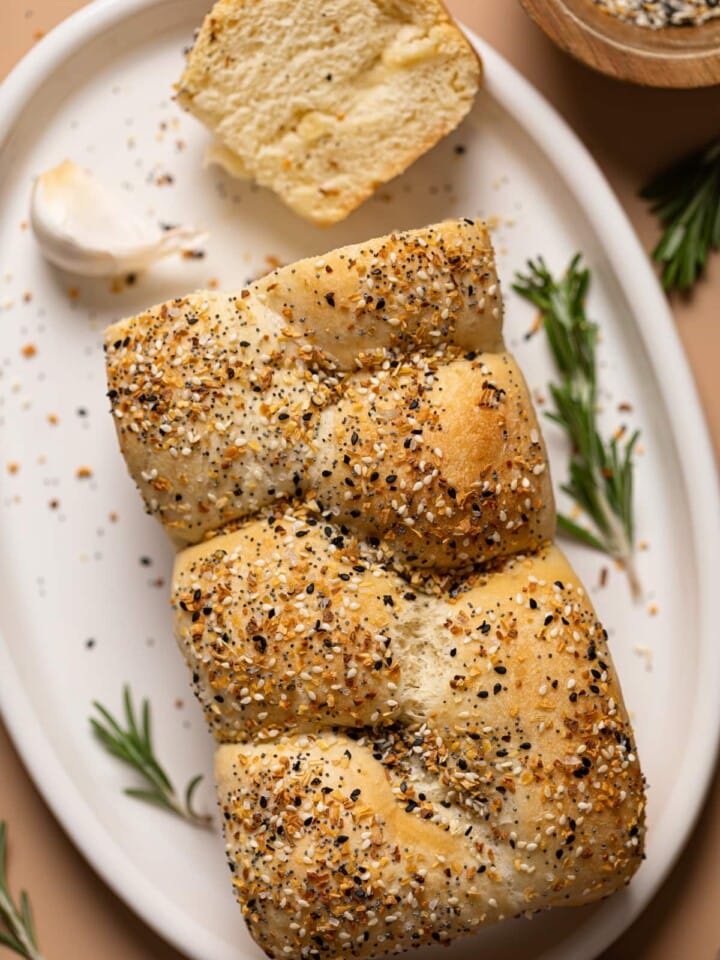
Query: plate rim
point(653, 320)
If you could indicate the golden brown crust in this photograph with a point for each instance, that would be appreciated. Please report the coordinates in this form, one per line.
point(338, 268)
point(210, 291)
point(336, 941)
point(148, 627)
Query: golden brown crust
point(326, 862)
point(280, 628)
point(411, 291)
point(370, 360)
point(446, 464)
point(505, 747)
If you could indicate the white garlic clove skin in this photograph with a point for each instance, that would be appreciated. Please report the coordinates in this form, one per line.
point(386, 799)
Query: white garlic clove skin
point(84, 228)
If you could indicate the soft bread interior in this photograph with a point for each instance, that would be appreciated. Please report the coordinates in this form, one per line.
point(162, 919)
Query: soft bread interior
point(322, 101)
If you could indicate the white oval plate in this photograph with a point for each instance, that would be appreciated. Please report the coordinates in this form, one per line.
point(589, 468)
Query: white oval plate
point(80, 562)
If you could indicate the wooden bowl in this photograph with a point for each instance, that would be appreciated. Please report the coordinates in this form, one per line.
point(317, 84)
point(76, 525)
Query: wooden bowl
point(668, 57)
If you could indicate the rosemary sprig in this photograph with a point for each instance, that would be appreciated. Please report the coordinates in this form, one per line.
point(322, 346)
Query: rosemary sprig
point(133, 746)
point(17, 928)
point(600, 473)
point(686, 200)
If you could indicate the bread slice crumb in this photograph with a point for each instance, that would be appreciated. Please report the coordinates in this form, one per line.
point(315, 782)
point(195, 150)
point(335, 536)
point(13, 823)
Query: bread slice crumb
point(323, 102)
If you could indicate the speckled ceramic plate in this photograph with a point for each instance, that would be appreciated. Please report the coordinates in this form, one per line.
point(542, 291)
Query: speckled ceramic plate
point(84, 572)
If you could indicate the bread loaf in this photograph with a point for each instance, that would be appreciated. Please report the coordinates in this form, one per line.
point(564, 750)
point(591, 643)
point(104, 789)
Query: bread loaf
point(322, 102)
point(420, 730)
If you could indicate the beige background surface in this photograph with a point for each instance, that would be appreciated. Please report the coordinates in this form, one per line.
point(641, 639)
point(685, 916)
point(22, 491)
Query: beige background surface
point(631, 132)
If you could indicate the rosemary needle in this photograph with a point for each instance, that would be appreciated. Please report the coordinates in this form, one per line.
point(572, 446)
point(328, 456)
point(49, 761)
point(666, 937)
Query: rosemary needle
point(133, 746)
point(600, 472)
point(17, 928)
point(686, 200)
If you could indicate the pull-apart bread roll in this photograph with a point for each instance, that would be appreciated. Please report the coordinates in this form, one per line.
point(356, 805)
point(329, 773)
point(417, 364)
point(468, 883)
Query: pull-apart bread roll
point(322, 102)
point(405, 766)
point(372, 379)
point(419, 727)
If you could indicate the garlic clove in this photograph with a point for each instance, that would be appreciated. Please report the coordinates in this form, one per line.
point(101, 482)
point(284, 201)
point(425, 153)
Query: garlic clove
point(84, 228)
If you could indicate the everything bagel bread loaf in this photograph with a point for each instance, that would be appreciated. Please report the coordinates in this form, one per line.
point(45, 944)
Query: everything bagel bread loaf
point(324, 101)
point(420, 730)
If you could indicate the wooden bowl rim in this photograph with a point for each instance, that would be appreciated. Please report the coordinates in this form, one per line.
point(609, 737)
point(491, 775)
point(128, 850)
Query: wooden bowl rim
point(617, 57)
